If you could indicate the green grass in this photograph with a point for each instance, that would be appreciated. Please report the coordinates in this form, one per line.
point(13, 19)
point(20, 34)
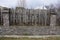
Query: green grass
point(50, 38)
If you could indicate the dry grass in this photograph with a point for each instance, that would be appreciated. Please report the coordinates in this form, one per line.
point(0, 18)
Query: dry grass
point(49, 38)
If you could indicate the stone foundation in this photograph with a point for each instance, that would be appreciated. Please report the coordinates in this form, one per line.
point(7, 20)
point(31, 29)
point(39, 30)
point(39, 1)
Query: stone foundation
point(31, 30)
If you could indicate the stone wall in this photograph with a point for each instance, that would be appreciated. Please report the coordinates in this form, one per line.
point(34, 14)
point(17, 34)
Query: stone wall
point(30, 30)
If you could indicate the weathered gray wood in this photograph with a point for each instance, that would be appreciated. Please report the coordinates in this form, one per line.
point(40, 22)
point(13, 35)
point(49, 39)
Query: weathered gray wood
point(53, 20)
point(5, 20)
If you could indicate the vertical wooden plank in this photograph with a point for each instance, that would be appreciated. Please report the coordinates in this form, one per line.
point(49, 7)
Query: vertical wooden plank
point(5, 20)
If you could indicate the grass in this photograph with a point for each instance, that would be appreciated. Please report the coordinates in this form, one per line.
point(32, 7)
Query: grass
point(49, 38)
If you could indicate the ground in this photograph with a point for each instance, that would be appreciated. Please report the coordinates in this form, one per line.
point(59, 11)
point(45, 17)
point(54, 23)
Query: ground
point(49, 38)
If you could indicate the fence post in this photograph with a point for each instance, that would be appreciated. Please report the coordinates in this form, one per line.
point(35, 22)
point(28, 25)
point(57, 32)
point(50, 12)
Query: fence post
point(6, 17)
